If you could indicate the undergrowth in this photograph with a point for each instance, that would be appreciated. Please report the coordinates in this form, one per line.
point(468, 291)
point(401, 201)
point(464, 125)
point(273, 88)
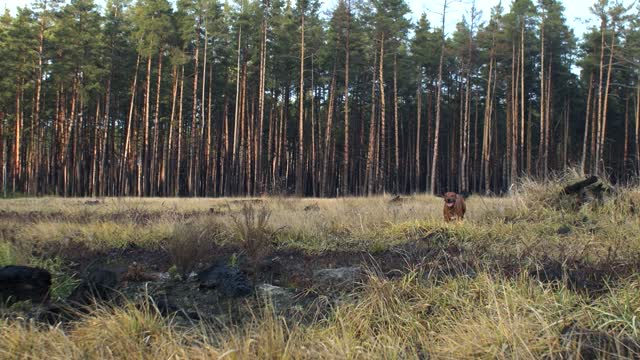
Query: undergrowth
point(481, 317)
point(502, 309)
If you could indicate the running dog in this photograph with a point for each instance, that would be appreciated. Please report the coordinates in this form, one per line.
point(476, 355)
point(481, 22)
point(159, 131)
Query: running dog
point(454, 207)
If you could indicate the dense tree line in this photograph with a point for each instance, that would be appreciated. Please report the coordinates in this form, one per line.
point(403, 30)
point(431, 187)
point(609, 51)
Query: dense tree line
point(207, 98)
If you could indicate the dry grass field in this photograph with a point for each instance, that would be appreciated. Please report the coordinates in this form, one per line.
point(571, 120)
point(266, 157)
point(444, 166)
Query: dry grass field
point(528, 276)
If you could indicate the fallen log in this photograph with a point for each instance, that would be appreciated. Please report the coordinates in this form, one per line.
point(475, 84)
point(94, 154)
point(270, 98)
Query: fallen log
point(20, 283)
point(580, 185)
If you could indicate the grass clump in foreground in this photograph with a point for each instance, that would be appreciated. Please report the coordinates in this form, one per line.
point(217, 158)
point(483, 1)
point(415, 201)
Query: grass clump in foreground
point(484, 317)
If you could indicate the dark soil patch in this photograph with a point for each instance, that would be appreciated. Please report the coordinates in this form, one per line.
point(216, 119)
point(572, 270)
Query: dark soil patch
point(143, 274)
point(294, 268)
point(596, 344)
point(578, 275)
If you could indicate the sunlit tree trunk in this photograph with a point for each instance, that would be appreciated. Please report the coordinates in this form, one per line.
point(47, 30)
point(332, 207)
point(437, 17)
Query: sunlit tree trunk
point(127, 142)
point(178, 175)
point(434, 162)
point(104, 179)
point(192, 172)
point(596, 154)
point(146, 156)
point(603, 128)
point(263, 66)
point(328, 136)
point(381, 172)
point(583, 161)
point(370, 180)
point(486, 142)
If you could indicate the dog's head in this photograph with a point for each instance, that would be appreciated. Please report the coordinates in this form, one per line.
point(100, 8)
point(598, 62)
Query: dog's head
point(450, 199)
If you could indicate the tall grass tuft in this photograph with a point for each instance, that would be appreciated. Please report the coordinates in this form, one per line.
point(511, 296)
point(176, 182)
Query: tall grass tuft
point(191, 243)
point(253, 231)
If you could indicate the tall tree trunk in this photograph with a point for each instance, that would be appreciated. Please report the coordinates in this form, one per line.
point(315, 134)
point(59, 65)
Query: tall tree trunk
point(565, 142)
point(370, 179)
point(626, 136)
point(476, 161)
point(542, 170)
point(94, 159)
point(68, 150)
point(224, 166)
point(547, 123)
point(38, 91)
point(327, 136)
point(168, 157)
point(156, 131)
point(434, 162)
point(178, 175)
point(127, 143)
point(193, 191)
point(201, 154)
point(263, 67)
point(418, 130)
point(300, 161)
point(381, 173)
point(16, 174)
point(103, 177)
point(396, 143)
point(511, 113)
point(596, 165)
point(315, 166)
point(583, 161)
point(486, 142)
point(530, 142)
point(466, 119)
point(146, 158)
point(429, 146)
point(242, 126)
point(603, 128)
point(638, 127)
point(210, 179)
point(236, 116)
point(75, 155)
point(522, 97)
point(345, 161)
point(515, 120)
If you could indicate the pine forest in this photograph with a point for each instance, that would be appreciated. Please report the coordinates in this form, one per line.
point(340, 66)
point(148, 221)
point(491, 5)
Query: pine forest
point(212, 98)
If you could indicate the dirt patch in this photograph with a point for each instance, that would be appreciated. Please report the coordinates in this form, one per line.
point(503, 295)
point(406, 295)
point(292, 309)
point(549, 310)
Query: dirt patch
point(581, 276)
point(293, 280)
point(596, 344)
point(295, 269)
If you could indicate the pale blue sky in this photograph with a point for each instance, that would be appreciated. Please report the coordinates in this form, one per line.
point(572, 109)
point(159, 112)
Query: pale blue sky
point(577, 12)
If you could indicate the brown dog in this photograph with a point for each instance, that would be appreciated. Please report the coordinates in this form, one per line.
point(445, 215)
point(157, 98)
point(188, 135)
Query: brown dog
point(454, 207)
